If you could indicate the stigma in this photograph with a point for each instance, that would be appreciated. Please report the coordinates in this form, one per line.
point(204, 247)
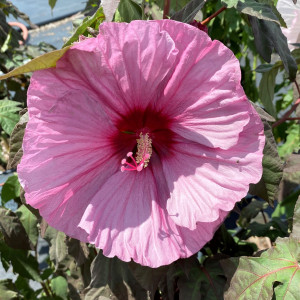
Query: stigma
point(143, 154)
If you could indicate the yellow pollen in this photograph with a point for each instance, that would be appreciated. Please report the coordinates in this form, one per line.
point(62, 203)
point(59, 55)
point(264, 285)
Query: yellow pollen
point(144, 148)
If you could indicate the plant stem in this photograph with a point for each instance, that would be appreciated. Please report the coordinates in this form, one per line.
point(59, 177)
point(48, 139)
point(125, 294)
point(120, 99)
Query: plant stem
point(166, 9)
point(287, 114)
point(263, 214)
point(293, 119)
point(206, 21)
point(297, 87)
point(45, 289)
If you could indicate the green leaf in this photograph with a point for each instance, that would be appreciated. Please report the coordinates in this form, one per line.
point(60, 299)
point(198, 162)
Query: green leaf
point(10, 189)
point(13, 231)
point(8, 115)
point(45, 61)
point(22, 262)
point(268, 36)
point(258, 10)
point(78, 250)
point(250, 212)
point(147, 277)
point(261, 9)
point(15, 143)
point(93, 21)
point(292, 143)
point(52, 3)
point(22, 285)
point(275, 11)
point(266, 91)
point(30, 223)
point(112, 278)
point(272, 229)
point(230, 3)
point(194, 281)
point(128, 11)
point(264, 68)
point(59, 286)
point(7, 42)
point(58, 248)
point(8, 290)
point(296, 221)
point(262, 113)
point(187, 14)
point(267, 188)
point(258, 277)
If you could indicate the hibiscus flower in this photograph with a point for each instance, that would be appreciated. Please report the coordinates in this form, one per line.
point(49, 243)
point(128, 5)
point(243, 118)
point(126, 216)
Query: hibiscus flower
point(141, 140)
point(291, 15)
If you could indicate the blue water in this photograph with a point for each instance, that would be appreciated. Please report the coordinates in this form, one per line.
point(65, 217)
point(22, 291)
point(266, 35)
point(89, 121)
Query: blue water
point(40, 11)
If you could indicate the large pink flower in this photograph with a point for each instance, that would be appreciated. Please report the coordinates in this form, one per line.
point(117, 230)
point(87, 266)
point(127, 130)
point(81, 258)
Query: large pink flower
point(164, 94)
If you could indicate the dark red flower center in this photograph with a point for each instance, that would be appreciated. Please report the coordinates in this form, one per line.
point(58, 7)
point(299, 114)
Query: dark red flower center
point(141, 132)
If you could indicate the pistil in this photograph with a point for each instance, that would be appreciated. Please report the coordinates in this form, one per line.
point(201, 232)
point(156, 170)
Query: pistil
point(143, 154)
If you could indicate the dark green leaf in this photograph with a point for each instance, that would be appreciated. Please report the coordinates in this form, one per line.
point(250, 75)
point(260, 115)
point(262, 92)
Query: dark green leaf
point(262, 113)
point(13, 231)
point(187, 14)
point(255, 277)
point(11, 189)
point(229, 267)
point(8, 115)
point(52, 3)
point(112, 278)
point(59, 286)
point(22, 262)
point(258, 10)
point(15, 144)
point(148, 278)
point(266, 91)
point(78, 250)
point(264, 68)
point(194, 281)
point(267, 188)
point(30, 223)
point(22, 284)
point(268, 36)
point(250, 212)
point(58, 248)
point(93, 21)
point(275, 11)
point(272, 230)
point(8, 290)
point(128, 11)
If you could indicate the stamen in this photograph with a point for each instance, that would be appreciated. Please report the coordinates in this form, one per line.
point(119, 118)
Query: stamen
point(144, 152)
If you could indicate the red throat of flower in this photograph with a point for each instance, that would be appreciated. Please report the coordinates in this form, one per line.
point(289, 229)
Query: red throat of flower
point(143, 154)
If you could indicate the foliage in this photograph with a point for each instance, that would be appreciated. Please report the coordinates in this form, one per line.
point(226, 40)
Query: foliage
point(229, 266)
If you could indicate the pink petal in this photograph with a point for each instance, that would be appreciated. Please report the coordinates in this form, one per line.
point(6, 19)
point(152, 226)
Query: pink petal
point(204, 181)
point(204, 94)
point(129, 220)
point(66, 154)
point(127, 71)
